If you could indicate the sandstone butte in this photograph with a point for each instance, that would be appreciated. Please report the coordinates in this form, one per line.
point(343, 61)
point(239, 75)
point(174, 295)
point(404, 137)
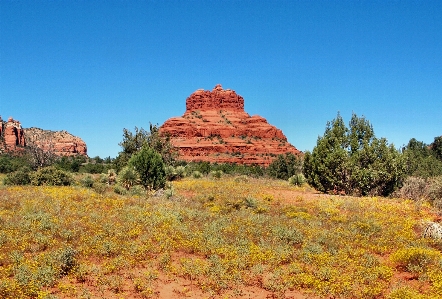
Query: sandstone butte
point(215, 128)
point(14, 138)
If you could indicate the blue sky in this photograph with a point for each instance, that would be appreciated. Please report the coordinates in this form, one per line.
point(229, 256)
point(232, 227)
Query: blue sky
point(95, 67)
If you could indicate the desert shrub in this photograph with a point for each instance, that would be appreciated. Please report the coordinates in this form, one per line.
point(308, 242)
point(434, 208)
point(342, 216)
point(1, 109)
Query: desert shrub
point(19, 177)
point(421, 160)
point(137, 190)
point(414, 188)
point(71, 164)
point(119, 189)
point(285, 166)
point(99, 187)
point(435, 192)
point(111, 176)
point(50, 176)
point(174, 173)
point(66, 258)
point(216, 174)
point(353, 161)
point(127, 177)
point(10, 163)
point(297, 179)
point(196, 174)
point(87, 181)
point(93, 168)
point(133, 142)
point(416, 259)
point(149, 165)
point(435, 188)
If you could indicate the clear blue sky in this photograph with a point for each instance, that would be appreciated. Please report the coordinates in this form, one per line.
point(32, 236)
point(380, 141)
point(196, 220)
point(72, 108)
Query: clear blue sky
point(95, 67)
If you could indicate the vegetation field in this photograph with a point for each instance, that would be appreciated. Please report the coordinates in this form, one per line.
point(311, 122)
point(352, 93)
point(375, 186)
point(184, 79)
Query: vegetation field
point(233, 237)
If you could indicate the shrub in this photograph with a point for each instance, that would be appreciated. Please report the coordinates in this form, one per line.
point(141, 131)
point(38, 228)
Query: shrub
point(111, 176)
point(414, 188)
point(87, 181)
point(99, 187)
point(435, 189)
point(137, 190)
point(150, 167)
point(50, 176)
point(353, 161)
point(19, 177)
point(415, 259)
point(217, 174)
point(285, 166)
point(66, 260)
point(197, 175)
point(435, 192)
point(297, 179)
point(127, 177)
point(174, 173)
point(120, 189)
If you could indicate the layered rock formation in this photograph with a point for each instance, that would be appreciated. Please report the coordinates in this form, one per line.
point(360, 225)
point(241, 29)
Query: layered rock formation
point(61, 143)
point(14, 138)
point(216, 128)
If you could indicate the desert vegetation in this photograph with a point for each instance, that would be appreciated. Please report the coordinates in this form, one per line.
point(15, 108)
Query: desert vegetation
point(354, 218)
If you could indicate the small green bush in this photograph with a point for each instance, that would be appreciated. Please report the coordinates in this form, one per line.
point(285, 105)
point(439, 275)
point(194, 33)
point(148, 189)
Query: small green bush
point(297, 179)
point(19, 177)
point(99, 187)
point(217, 174)
point(137, 190)
point(127, 177)
point(197, 175)
point(149, 165)
point(50, 176)
point(87, 181)
point(120, 189)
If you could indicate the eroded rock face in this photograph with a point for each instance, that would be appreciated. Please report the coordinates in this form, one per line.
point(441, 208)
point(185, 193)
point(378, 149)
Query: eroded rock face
point(12, 135)
point(216, 128)
point(14, 138)
point(62, 143)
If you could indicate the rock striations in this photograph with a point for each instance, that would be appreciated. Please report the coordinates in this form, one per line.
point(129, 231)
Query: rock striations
point(14, 138)
point(215, 128)
point(62, 143)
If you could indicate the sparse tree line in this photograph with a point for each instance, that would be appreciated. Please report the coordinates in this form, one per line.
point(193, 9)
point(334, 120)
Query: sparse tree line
point(347, 160)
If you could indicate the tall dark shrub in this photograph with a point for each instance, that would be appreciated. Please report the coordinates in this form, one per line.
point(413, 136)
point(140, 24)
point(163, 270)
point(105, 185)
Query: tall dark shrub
point(352, 160)
point(150, 167)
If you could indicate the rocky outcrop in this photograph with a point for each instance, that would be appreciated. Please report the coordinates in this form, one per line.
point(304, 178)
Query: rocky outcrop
point(216, 128)
point(14, 138)
point(61, 143)
point(11, 135)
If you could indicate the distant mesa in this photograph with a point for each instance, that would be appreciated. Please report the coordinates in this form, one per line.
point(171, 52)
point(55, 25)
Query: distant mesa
point(215, 128)
point(14, 138)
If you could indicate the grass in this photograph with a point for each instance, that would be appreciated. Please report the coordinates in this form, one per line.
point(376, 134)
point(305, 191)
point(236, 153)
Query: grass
point(217, 237)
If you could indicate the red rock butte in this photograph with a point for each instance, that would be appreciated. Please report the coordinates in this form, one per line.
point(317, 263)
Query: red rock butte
point(215, 128)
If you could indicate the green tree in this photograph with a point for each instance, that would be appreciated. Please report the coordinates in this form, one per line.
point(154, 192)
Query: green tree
point(133, 142)
point(420, 160)
point(285, 166)
point(352, 160)
point(326, 167)
point(436, 147)
point(150, 167)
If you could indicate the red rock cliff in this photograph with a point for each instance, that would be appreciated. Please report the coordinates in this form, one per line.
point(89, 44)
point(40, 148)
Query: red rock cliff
point(62, 143)
point(12, 135)
point(216, 128)
point(14, 138)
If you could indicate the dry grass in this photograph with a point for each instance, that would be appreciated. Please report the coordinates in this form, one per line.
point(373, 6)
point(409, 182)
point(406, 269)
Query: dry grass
point(229, 237)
